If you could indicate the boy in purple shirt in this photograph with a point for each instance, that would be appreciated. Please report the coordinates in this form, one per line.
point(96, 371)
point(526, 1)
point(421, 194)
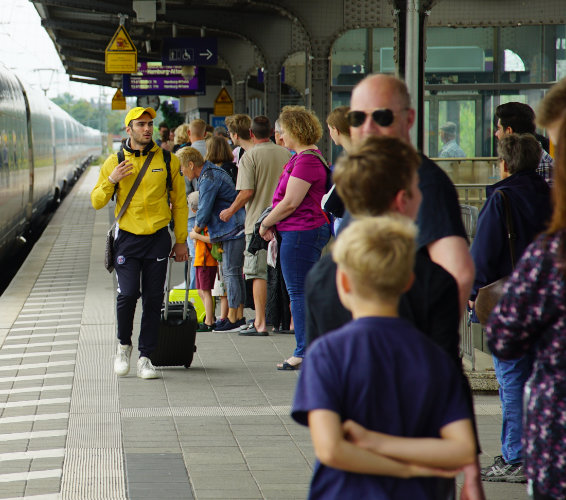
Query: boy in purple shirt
point(384, 405)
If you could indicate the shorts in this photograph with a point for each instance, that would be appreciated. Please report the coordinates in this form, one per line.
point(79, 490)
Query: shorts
point(204, 277)
point(255, 266)
point(219, 289)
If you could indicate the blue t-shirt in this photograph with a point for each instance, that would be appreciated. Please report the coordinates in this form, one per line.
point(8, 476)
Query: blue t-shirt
point(439, 214)
point(387, 376)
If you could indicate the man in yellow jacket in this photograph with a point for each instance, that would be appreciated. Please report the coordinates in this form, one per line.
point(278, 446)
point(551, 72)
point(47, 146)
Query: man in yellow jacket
point(142, 241)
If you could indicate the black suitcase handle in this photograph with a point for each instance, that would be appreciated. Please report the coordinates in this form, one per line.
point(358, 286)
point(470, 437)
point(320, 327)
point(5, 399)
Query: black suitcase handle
point(168, 289)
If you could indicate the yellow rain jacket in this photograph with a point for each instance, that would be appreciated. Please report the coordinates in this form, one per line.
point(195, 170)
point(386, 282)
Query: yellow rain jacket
point(149, 209)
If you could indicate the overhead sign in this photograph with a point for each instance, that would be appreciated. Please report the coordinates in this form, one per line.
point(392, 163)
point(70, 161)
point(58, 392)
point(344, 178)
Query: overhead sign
point(190, 51)
point(223, 104)
point(118, 101)
point(152, 78)
point(121, 55)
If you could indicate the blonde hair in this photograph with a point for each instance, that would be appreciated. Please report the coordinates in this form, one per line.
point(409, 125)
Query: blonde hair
point(181, 134)
point(198, 128)
point(239, 124)
point(301, 123)
point(188, 154)
point(378, 255)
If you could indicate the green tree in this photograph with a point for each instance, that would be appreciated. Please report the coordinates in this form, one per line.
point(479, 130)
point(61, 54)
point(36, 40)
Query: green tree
point(115, 121)
point(171, 116)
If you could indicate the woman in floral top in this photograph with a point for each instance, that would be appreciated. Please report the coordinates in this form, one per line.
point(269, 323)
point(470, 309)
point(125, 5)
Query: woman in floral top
point(531, 317)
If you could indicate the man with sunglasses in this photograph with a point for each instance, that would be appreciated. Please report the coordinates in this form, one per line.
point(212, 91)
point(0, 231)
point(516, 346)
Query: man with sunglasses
point(381, 106)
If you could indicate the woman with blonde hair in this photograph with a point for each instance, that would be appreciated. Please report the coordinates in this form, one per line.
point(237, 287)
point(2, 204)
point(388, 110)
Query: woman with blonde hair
point(181, 138)
point(302, 225)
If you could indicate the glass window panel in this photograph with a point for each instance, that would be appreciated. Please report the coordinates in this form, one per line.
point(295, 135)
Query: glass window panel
point(560, 48)
point(459, 55)
point(382, 41)
point(349, 56)
point(522, 45)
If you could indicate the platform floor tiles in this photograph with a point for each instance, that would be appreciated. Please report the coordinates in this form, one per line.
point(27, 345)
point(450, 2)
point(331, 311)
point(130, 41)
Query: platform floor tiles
point(70, 429)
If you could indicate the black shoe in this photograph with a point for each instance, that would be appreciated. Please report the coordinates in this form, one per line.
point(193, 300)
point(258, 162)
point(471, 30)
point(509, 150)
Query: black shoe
point(500, 471)
point(227, 326)
point(203, 327)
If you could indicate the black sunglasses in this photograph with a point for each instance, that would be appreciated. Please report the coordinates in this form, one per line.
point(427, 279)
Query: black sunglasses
point(383, 117)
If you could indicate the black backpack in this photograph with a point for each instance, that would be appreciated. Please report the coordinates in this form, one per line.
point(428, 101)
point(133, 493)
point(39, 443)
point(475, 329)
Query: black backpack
point(325, 163)
point(231, 170)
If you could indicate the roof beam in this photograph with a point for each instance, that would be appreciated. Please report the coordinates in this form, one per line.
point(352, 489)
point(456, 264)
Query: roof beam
point(82, 44)
point(97, 7)
point(81, 54)
point(78, 27)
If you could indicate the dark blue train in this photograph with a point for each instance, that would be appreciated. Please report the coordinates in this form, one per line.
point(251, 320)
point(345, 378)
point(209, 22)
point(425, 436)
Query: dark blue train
point(43, 150)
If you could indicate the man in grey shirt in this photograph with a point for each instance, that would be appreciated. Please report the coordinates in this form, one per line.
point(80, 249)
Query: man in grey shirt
point(258, 175)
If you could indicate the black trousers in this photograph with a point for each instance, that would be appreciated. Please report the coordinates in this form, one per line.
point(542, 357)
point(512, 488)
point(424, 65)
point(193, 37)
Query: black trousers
point(141, 261)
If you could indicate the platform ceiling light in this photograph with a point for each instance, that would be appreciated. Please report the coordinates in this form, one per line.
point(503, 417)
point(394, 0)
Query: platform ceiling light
point(188, 72)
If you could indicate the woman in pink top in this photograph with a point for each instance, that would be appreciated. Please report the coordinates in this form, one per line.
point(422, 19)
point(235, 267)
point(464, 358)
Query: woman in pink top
point(297, 215)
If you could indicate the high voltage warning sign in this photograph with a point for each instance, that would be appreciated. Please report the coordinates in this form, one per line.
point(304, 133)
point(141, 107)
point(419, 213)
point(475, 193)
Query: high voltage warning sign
point(223, 104)
point(121, 55)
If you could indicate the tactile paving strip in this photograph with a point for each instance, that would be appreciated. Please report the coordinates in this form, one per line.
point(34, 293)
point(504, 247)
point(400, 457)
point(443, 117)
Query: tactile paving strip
point(206, 411)
point(47, 340)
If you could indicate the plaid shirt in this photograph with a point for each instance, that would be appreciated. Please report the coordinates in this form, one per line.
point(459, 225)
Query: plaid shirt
point(546, 167)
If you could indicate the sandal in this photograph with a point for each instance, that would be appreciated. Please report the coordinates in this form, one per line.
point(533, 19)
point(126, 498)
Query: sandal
point(286, 366)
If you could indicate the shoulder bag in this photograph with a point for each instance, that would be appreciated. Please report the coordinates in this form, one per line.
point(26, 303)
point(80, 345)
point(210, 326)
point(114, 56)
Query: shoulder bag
point(109, 249)
point(489, 295)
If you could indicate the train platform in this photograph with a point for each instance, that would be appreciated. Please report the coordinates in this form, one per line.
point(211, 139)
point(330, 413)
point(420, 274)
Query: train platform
point(70, 429)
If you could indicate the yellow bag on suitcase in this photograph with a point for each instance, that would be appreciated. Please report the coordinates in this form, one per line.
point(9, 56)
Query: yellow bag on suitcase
point(178, 295)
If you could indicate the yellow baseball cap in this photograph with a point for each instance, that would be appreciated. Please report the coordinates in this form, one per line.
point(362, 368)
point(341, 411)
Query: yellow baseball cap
point(135, 113)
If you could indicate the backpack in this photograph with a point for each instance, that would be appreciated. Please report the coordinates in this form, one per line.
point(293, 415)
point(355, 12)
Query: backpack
point(325, 163)
point(231, 170)
point(166, 159)
point(328, 216)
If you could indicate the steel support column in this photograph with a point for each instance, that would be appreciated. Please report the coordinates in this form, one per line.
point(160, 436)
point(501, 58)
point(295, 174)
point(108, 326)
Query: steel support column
point(272, 83)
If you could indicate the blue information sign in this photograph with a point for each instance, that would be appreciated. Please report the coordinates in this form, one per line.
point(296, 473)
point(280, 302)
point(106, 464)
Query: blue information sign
point(190, 51)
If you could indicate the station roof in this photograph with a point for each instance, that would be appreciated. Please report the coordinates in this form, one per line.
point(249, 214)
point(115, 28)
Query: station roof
point(81, 29)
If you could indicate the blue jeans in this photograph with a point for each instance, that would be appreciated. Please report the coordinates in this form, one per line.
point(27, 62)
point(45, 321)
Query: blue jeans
point(233, 270)
point(512, 375)
point(191, 245)
point(300, 250)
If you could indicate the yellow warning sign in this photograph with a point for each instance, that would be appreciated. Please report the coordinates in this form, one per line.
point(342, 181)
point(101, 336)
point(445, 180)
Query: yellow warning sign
point(121, 55)
point(223, 104)
point(118, 101)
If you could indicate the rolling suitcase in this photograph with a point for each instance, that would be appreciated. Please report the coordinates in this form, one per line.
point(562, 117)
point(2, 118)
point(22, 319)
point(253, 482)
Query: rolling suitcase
point(177, 331)
point(178, 295)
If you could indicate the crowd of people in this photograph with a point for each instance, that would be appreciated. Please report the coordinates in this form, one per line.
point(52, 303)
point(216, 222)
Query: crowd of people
point(376, 320)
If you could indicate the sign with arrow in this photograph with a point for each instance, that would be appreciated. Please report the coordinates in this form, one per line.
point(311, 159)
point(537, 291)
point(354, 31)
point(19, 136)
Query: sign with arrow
point(190, 51)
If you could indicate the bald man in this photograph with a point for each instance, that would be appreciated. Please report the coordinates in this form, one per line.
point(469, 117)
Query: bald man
point(381, 106)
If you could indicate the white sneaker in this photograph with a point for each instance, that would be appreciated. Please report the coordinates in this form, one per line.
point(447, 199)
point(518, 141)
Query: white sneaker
point(145, 368)
point(122, 360)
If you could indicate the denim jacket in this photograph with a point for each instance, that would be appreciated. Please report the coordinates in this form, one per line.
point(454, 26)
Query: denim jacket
point(217, 192)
